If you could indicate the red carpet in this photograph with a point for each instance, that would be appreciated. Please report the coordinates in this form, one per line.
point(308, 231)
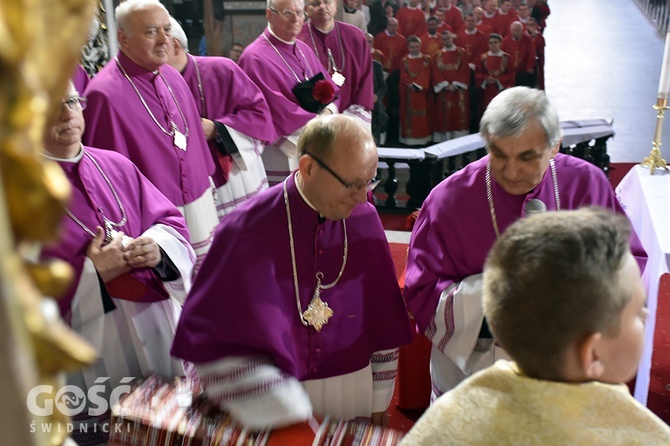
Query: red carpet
point(618, 171)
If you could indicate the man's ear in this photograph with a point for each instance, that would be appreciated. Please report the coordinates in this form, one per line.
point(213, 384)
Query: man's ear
point(306, 166)
point(590, 362)
point(122, 38)
point(556, 148)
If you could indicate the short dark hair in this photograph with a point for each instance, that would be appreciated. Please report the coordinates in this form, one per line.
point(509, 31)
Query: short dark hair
point(414, 39)
point(552, 279)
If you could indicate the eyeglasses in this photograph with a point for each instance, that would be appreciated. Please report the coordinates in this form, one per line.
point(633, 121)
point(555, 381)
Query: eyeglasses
point(317, 3)
point(287, 13)
point(367, 187)
point(74, 103)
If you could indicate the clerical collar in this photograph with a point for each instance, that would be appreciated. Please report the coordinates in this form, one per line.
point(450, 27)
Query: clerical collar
point(320, 30)
point(279, 38)
point(418, 56)
point(350, 10)
point(452, 48)
point(489, 16)
point(388, 33)
point(467, 31)
point(297, 179)
point(497, 53)
point(74, 160)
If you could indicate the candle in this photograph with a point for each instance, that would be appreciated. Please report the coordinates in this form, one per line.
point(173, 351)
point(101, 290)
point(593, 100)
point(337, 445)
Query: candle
point(664, 84)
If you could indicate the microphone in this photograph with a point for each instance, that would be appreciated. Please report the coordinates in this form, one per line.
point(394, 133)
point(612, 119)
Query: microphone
point(534, 206)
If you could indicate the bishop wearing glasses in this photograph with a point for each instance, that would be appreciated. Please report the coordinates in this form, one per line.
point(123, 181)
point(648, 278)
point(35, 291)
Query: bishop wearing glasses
point(279, 64)
point(311, 316)
point(343, 50)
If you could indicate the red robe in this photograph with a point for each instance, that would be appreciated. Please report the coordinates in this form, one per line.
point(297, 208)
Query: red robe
point(538, 40)
point(503, 22)
point(521, 52)
point(415, 106)
point(444, 27)
point(497, 67)
point(431, 44)
point(452, 108)
point(411, 21)
point(488, 24)
point(541, 12)
point(453, 17)
point(473, 44)
point(394, 48)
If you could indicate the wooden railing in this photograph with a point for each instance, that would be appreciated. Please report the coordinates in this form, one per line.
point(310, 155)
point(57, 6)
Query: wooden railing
point(658, 13)
point(586, 139)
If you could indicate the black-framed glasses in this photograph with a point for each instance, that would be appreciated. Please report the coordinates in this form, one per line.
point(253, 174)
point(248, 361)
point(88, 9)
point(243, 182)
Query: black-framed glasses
point(74, 103)
point(367, 187)
point(287, 13)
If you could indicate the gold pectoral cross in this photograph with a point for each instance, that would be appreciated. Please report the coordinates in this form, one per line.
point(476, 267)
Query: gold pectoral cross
point(318, 312)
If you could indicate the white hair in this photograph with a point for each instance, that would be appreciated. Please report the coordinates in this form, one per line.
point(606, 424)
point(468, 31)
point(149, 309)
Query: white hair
point(178, 33)
point(125, 9)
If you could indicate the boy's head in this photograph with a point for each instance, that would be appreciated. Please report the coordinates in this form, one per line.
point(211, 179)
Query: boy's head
point(563, 296)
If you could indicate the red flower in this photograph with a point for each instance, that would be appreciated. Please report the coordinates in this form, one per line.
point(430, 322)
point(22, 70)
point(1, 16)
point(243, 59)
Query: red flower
point(323, 92)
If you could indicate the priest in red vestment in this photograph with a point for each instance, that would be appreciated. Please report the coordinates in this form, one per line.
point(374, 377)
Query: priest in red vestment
point(521, 50)
point(533, 31)
point(411, 19)
point(450, 79)
point(453, 16)
point(492, 73)
point(472, 40)
point(431, 40)
point(394, 46)
point(415, 96)
point(488, 17)
point(504, 18)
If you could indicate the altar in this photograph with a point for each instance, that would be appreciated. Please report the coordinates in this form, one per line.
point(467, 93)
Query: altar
point(646, 200)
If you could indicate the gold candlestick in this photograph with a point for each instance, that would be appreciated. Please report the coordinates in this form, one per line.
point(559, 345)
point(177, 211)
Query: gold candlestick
point(655, 159)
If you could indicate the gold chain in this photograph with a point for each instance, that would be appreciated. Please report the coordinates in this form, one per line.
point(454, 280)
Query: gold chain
point(319, 274)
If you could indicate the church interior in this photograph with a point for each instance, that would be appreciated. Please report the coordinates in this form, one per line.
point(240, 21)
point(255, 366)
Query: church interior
point(603, 62)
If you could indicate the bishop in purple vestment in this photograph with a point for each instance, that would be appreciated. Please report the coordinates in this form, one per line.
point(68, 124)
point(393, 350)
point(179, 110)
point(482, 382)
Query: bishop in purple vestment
point(276, 61)
point(141, 107)
point(129, 248)
point(311, 321)
point(344, 52)
point(236, 119)
point(464, 215)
